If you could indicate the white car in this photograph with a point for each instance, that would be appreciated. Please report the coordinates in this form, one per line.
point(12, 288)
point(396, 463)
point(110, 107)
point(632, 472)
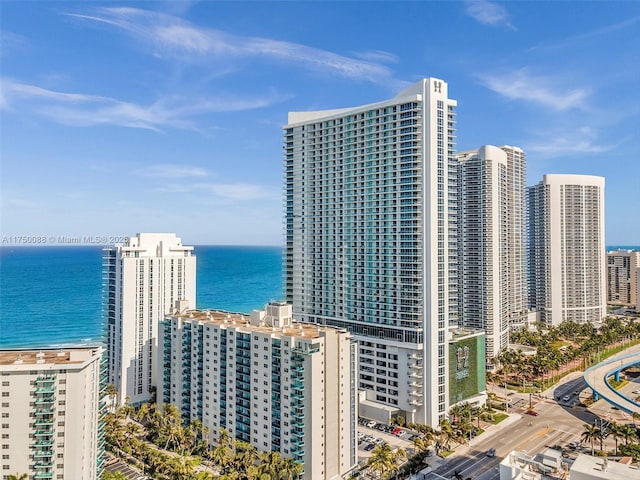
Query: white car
point(566, 398)
point(636, 392)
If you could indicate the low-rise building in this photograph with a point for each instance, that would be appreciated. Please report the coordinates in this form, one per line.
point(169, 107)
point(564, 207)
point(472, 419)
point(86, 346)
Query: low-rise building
point(51, 409)
point(272, 382)
point(586, 467)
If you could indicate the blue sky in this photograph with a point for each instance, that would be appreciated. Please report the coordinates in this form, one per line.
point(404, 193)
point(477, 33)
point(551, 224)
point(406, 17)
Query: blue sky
point(118, 118)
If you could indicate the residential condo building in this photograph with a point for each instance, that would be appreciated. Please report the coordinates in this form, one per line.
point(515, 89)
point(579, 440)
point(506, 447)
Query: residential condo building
point(491, 242)
point(623, 272)
point(371, 226)
point(272, 382)
point(143, 279)
point(52, 407)
point(567, 253)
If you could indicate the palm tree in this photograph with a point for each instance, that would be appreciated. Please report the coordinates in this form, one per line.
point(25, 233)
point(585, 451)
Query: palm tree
point(628, 433)
point(290, 469)
point(591, 433)
point(446, 433)
point(19, 476)
point(420, 444)
point(182, 468)
point(270, 463)
point(457, 411)
point(246, 455)
point(616, 431)
point(382, 459)
point(222, 453)
point(477, 412)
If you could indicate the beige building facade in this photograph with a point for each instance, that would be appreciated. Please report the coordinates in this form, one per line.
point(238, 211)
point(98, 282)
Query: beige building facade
point(51, 409)
point(272, 382)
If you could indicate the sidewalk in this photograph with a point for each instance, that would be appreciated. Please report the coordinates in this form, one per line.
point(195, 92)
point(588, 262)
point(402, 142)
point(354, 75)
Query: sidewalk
point(490, 431)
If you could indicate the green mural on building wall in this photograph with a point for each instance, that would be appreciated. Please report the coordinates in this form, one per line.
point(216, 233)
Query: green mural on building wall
point(466, 368)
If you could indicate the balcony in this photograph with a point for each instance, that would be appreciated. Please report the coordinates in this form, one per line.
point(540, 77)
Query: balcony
point(43, 465)
point(43, 454)
point(297, 444)
point(46, 390)
point(45, 379)
point(43, 433)
point(44, 443)
point(415, 403)
point(44, 411)
point(415, 393)
point(43, 475)
point(43, 422)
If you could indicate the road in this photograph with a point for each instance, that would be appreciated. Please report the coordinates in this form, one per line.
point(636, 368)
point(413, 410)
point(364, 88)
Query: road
point(596, 377)
point(558, 422)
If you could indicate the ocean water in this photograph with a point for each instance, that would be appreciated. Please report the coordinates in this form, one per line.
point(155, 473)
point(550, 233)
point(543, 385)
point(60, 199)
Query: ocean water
point(52, 296)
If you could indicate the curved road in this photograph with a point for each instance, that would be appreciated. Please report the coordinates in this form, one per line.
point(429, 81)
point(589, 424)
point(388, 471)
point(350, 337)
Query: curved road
point(596, 378)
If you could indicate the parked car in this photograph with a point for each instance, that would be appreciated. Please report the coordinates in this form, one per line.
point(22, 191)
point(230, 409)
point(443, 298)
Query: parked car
point(566, 398)
point(636, 392)
point(396, 431)
point(369, 447)
point(371, 424)
point(532, 412)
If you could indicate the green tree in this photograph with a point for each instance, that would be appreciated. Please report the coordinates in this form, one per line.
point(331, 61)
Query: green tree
point(382, 459)
point(629, 433)
point(290, 469)
point(18, 476)
point(590, 434)
point(616, 432)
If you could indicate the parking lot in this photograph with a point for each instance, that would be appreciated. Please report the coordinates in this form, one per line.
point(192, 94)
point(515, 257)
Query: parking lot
point(369, 436)
point(114, 464)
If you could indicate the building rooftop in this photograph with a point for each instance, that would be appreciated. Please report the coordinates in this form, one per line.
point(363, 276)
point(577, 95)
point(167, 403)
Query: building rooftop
point(47, 356)
point(243, 322)
point(586, 466)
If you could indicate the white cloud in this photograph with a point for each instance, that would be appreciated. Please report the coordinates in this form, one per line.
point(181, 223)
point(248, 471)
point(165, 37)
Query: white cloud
point(171, 36)
point(171, 171)
point(79, 109)
point(520, 85)
point(224, 191)
point(489, 13)
point(241, 191)
point(566, 143)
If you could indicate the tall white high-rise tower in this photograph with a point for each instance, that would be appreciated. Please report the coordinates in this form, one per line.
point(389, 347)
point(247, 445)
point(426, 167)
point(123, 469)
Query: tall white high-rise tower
point(143, 280)
point(370, 223)
point(567, 253)
point(491, 236)
point(483, 238)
